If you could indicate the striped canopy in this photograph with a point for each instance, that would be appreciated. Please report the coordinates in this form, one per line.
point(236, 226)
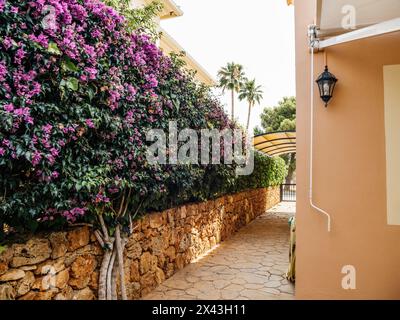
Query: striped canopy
point(276, 143)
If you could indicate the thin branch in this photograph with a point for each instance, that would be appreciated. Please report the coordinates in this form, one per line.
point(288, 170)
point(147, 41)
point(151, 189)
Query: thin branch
point(104, 229)
point(99, 238)
point(134, 216)
point(121, 206)
point(127, 202)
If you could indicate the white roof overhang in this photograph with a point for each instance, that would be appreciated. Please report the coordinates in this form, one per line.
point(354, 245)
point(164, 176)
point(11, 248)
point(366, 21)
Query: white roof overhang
point(371, 18)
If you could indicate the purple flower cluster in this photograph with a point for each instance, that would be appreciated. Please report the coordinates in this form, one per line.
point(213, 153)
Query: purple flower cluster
point(41, 39)
point(3, 71)
point(100, 198)
point(70, 215)
point(25, 85)
point(90, 124)
point(74, 214)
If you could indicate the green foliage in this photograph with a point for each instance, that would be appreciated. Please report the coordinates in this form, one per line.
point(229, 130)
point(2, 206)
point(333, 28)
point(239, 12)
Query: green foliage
point(277, 171)
point(139, 19)
point(281, 117)
point(288, 125)
point(74, 120)
point(231, 77)
point(257, 130)
point(252, 93)
point(267, 172)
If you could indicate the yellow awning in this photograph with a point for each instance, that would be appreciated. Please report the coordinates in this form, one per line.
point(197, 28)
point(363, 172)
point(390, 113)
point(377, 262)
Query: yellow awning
point(289, 2)
point(276, 143)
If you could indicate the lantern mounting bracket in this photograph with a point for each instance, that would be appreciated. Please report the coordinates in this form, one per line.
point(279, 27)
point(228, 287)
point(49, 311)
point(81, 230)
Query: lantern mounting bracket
point(313, 37)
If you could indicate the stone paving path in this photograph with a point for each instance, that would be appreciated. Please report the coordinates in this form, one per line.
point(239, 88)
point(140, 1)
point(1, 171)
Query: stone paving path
point(249, 266)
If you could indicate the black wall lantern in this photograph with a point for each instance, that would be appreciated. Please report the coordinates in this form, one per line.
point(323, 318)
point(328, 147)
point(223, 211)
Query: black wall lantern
point(326, 84)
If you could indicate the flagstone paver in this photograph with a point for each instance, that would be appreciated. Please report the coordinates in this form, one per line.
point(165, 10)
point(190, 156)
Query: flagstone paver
point(249, 266)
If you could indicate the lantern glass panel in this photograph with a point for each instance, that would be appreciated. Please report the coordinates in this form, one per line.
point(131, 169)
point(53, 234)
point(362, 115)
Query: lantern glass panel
point(326, 88)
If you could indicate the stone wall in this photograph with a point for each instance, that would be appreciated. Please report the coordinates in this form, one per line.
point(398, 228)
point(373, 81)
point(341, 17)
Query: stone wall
point(64, 265)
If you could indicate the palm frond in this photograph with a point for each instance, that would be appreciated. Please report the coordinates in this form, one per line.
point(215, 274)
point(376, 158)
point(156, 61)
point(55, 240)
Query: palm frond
point(251, 92)
point(231, 77)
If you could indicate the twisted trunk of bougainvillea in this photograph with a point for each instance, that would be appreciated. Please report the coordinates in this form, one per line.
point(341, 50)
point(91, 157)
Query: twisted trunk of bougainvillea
point(108, 246)
point(114, 295)
point(112, 265)
point(106, 279)
point(119, 251)
point(103, 275)
point(111, 269)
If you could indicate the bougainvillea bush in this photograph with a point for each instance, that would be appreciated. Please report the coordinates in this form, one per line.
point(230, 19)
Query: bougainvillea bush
point(77, 94)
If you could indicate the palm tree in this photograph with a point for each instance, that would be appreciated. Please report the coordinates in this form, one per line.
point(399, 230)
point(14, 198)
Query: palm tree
point(253, 94)
point(231, 78)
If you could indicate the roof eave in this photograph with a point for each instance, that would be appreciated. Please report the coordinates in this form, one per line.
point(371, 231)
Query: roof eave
point(171, 10)
point(202, 74)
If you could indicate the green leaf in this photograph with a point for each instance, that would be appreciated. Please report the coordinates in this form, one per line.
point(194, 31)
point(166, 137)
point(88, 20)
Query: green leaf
point(14, 43)
point(28, 155)
point(68, 65)
point(91, 91)
point(53, 49)
point(19, 150)
point(176, 103)
point(71, 83)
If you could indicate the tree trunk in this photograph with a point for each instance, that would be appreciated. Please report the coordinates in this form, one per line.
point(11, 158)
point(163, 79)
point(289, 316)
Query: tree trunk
point(291, 168)
point(248, 118)
point(289, 177)
point(103, 273)
point(109, 291)
point(233, 104)
point(114, 277)
point(119, 246)
point(112, 265)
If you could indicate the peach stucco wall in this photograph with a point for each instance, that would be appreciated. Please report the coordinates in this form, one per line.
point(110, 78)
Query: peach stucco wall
point(349, 171)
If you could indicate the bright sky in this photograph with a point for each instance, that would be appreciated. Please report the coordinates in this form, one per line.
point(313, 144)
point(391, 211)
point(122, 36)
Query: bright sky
point(259, 34)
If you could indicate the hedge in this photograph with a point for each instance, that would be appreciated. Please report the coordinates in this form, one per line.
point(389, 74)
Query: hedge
point(267, 172)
